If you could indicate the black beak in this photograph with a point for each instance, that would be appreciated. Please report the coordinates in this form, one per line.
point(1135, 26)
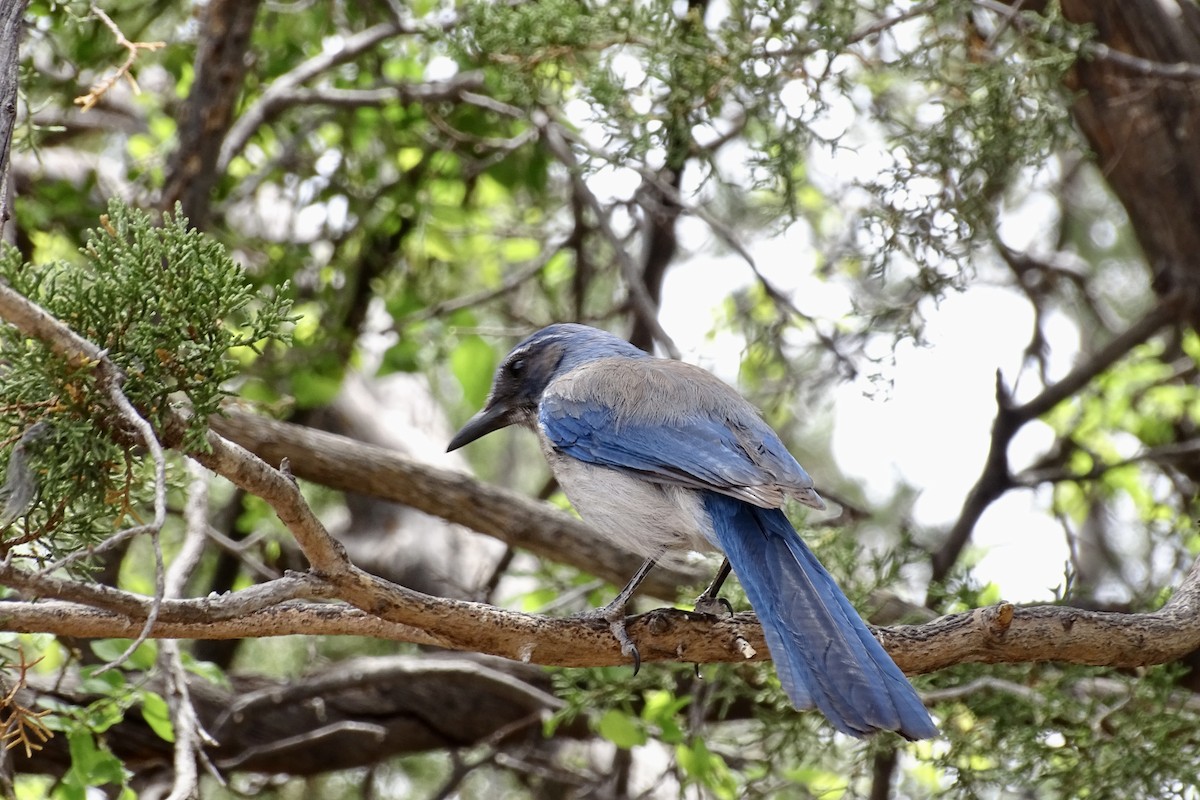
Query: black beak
point(490, 418)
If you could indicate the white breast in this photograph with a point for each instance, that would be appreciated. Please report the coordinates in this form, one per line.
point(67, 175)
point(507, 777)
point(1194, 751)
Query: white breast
point(650, 519)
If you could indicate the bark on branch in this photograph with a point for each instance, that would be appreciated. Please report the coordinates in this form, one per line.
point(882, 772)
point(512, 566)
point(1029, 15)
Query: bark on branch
point(1001, 633)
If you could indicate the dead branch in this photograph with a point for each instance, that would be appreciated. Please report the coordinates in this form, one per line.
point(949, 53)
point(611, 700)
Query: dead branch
point(100, 88)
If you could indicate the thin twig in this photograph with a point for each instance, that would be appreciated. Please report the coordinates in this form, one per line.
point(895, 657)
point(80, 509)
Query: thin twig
point(101, 87)
point(639, 297)
point(730, 239)
point(995, 478)
point(190, 735)
point(512, 281)
point(239, 550)
point(1163, 454)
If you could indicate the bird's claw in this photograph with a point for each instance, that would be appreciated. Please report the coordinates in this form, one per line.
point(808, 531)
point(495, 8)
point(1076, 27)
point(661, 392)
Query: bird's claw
point(713, 606)
point(628, 648)
point(614, 615)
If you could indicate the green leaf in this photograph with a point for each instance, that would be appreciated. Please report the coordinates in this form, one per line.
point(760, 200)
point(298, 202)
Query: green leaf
point(706, 768)
point(91, 765)
point(205, 669)
point(314, 388)
point(144, 655)
point(989, 595)
point(661, 710)
point(621, 729)
point(473, 363)
point(108, 650)
point(82, 746)
point(92, 680)
point(157, 714)
point(821, 783)
point(538, 598)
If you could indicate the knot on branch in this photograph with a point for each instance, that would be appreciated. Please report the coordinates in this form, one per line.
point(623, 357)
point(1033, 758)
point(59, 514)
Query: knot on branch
point(996, 620)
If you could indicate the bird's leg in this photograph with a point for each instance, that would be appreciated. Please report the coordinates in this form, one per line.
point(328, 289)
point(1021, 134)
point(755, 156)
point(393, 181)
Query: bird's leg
point(614, 613)
point(708, 602)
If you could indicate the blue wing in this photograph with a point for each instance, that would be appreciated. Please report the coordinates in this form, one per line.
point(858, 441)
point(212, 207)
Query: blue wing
point(721, 445)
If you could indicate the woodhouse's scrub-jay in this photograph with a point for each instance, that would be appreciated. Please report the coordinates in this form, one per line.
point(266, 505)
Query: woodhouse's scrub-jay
point(662, 456)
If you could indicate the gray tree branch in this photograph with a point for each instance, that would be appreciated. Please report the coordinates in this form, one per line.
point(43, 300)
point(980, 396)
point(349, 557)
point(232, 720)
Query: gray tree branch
point(1002, 633)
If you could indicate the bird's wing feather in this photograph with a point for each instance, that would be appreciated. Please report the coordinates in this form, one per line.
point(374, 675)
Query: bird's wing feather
point(717, 442)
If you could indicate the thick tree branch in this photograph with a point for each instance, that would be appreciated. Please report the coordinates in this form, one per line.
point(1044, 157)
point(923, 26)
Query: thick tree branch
point(287, 618)
point(192, 610)
point(1001, 633)
point(453, 624)
point(996, 634)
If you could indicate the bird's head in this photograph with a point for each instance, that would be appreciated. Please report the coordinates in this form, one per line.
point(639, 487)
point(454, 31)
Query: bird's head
point(525, 373)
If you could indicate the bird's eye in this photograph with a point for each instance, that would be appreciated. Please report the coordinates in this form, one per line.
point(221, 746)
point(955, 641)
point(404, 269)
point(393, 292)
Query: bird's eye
point(517, 366)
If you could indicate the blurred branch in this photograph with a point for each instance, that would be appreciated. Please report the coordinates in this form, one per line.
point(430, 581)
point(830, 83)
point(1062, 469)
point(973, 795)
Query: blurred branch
point(282, 95)
point(1099, 51)
point(987, 684)
point(1175, 452)
point(206, 115)
point(284, 90)
point(1133, 89)
point(670, 191)
point(883, 768)
point(659, 210)
point(12, 18)
point(640, 300)
point(996, 479)
point(510, 282)
point(349, 714)
point(347, 465)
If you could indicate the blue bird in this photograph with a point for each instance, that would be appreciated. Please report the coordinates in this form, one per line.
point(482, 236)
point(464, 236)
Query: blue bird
point(661, 457)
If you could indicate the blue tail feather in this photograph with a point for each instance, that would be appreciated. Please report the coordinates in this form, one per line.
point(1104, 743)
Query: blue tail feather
point(824, 654)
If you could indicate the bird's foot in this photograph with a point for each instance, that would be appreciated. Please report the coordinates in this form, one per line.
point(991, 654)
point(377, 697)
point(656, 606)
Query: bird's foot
point(713, 606)
point(614, 615)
